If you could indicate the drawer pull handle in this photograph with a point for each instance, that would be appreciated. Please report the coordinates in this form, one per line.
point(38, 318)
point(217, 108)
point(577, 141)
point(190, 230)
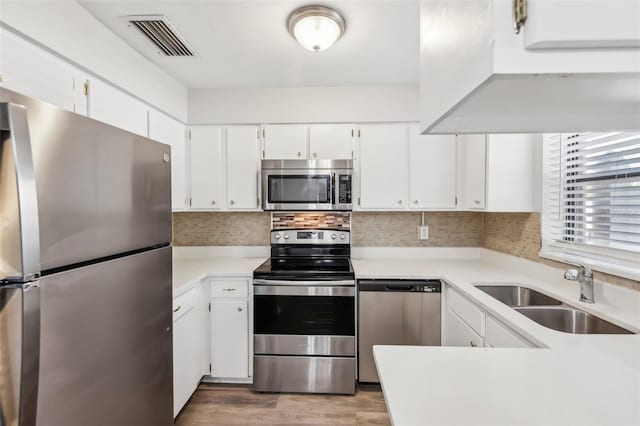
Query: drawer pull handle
point(177, 309)
point(473, 345)
point(239, 309)
point(228, 289)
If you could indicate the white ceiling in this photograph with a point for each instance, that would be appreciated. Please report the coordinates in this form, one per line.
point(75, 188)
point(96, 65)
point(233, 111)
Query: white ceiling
point(246, 44)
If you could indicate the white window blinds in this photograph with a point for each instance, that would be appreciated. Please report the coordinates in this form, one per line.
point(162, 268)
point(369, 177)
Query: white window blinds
point(591, 195)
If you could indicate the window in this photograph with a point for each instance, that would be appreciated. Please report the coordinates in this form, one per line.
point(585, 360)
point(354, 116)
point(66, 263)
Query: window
point(591, 200)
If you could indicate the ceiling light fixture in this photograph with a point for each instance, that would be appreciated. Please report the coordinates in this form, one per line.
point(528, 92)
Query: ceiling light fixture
point(316, 27)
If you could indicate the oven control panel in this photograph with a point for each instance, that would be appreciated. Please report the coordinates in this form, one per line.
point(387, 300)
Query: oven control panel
point(310, 236)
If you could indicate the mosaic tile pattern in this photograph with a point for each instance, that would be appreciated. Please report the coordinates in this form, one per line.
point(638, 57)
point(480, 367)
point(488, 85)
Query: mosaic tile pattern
point(331, 220)
point(446, 229)
point(221, 229)
point(518, 234)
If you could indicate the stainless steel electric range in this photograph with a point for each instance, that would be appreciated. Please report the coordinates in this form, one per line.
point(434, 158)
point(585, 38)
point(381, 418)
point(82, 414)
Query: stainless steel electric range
point(305, 314)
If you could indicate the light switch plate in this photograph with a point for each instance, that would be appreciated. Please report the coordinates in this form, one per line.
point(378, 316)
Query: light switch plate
point(423, 232)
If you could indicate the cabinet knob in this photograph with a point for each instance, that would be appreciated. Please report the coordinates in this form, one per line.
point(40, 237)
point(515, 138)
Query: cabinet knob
point(239, 309)
point(213, 203)
point(415, 201)
point(473, 345)
point(476, 201)
point(231, 202)
point(299, 154)
point(399, 201)
point(315, 154)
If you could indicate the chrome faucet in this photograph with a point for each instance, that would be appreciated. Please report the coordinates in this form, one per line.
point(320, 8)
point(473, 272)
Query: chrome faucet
point(585, 277)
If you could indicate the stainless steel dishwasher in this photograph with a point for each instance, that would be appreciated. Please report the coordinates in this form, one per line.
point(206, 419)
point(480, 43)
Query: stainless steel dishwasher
point(395, 312)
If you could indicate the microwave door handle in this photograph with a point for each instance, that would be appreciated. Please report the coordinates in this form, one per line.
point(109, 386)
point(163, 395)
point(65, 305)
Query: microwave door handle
point(334, 189)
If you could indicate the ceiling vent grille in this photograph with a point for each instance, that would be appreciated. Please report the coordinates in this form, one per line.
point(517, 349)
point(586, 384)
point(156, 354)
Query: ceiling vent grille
point(161, 33)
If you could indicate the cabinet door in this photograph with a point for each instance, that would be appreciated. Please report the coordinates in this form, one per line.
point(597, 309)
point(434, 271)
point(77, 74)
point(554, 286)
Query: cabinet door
point(186, 360)
point(206, 167)
point(457, 333)
point(432, 170)
point(167, 130)
point(230, 338)
point(285, 141)
point(587, 24)
point(510, 161)
point(474, 167)
point(112, 106)
point(31, 71)
point(331, 141)
point(243, 167)
point(499, 336)
point(383, 165)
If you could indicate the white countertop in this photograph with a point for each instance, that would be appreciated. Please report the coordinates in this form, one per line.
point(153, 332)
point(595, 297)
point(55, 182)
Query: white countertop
point(500, 386)
point(571, 379)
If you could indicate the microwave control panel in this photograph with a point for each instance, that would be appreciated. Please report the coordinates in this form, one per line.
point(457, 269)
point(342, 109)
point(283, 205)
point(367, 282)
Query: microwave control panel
point(344, 189)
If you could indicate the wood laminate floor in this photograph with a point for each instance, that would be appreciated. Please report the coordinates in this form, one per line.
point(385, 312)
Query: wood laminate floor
point(237, 405)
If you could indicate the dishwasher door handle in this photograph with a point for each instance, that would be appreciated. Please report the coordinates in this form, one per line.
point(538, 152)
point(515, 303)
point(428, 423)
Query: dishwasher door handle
point(398, 287)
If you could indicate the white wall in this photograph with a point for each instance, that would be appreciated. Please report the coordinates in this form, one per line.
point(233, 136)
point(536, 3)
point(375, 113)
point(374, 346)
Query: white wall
point(303, 105)
point(69, 30)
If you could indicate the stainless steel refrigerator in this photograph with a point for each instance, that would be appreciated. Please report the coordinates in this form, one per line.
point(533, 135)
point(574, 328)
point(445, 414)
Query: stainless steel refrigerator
point(85, 271)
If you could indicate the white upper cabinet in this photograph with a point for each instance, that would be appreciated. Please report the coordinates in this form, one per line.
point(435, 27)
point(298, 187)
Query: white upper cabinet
point(383, 167)
point(331, 141)
point(590, 24)
point(571, 67)
point(432, 170)
point(114, 107)
point(474, 171)
point(165, 129)
point(34, 72)
point(498, 172)
point(206, 167)
point(510, 160)
point(243, 167)
point(285, 141)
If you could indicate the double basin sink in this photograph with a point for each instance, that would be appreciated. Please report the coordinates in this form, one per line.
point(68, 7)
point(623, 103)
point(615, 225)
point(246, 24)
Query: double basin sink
point(550, 312)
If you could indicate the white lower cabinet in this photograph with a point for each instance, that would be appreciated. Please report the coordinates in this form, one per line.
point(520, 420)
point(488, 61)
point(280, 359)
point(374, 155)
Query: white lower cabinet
point(187, 348)
point(230, 329)
point(458, 333)
point(466, 324)
point(230, 339)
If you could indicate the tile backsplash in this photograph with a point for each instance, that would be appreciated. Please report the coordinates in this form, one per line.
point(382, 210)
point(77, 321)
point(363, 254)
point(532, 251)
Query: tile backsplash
point(462, 229)
point(518, 234)
point(331, 220)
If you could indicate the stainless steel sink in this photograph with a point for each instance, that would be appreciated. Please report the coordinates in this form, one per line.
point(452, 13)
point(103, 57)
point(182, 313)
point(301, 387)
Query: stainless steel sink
point(570, 320)
point(514, 295)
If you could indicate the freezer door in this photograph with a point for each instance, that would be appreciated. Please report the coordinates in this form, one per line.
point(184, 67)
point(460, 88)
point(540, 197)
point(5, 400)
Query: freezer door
point(106, 344)
point(101, 190)
point(19, 229)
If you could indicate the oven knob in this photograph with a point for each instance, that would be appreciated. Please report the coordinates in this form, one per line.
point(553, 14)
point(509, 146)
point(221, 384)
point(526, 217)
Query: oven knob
point(342, 236)
point(277, 236)
point(334, 236)
point(286, 236)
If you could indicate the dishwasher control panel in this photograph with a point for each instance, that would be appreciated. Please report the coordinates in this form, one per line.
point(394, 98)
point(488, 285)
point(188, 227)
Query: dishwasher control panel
point(399, 285)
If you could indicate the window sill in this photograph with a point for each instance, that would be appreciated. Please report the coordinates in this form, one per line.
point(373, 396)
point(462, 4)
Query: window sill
point(621, 268)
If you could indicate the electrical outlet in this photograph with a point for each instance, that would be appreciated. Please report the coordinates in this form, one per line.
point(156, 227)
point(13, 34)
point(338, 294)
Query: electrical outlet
point(423, 232)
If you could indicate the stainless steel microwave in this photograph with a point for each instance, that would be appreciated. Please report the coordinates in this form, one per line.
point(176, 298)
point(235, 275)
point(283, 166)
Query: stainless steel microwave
point(307, 184)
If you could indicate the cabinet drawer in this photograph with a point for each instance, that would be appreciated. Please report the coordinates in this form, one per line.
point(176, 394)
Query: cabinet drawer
point(230, 288)
point(458, 333)
point(499, 336)
point(184, 303)
point(467, 311)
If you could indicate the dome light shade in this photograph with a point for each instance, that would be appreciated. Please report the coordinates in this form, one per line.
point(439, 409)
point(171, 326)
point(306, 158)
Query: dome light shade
point(316, 27)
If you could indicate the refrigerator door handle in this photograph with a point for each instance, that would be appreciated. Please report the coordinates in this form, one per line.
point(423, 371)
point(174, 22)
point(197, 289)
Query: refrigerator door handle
point(13, 118)
point(19, 353)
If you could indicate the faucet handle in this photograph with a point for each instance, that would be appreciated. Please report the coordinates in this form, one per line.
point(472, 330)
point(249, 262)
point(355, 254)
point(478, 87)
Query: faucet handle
point(571, 274)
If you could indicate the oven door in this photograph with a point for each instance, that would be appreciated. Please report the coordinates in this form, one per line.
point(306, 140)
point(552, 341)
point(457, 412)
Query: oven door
point(298, 190)
point(304, 320)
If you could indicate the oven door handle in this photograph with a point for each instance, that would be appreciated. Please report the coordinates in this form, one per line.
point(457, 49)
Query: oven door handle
point(288, 290)
point(305, 283)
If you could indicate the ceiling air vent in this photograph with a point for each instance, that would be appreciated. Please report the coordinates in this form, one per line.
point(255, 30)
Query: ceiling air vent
point(161, 33)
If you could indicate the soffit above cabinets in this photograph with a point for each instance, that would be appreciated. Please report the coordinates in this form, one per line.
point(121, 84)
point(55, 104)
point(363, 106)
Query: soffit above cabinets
point(246, 43)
